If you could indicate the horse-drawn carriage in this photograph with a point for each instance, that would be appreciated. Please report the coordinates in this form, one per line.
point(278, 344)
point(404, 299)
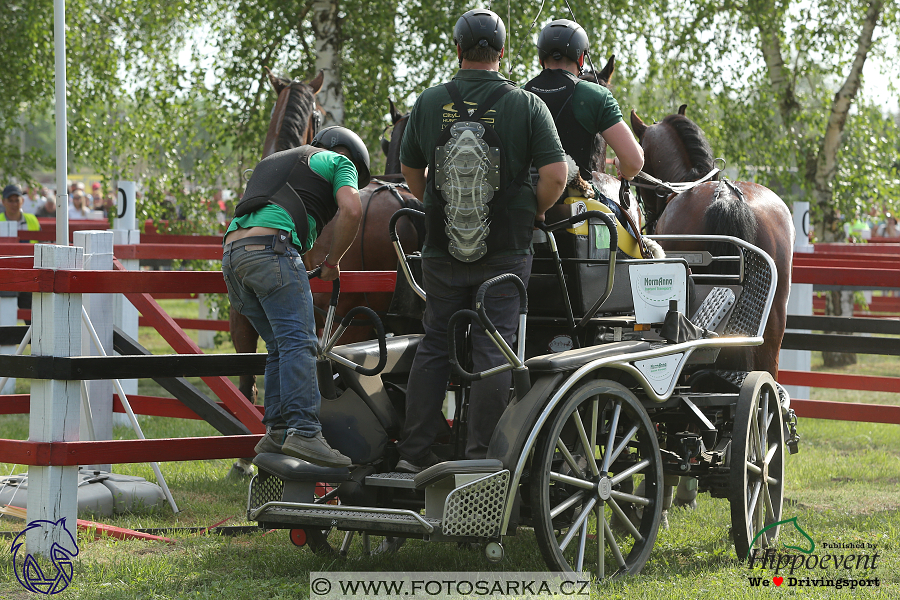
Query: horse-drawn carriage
point(616, 395)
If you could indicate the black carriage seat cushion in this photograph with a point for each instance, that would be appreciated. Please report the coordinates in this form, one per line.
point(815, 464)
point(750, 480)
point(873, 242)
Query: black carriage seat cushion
point(573, 359)
point(401, 350)
point(289, 468)
point(439, 471)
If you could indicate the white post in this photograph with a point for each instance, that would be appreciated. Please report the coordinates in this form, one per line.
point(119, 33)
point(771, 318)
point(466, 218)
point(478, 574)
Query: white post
point(9, 306)
point(98, 255)
point(55, 405)
point(205, 337)
point(800, 302)
point(125, 232)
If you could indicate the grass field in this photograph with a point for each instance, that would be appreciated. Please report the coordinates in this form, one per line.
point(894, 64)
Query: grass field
point(843, 487)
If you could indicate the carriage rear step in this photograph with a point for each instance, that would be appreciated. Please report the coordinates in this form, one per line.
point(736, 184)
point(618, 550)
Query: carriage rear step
point(389, 520)
point(393, 480)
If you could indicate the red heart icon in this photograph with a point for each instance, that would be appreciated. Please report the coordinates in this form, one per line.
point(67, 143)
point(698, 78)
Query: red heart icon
point(777, 581)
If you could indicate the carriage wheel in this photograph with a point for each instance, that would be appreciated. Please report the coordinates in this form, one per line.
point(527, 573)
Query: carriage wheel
point(757, 465)
point(587, 458)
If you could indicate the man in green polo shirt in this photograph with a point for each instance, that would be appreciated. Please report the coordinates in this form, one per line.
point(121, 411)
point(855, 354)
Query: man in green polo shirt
point(466, 152)
point(290, 197)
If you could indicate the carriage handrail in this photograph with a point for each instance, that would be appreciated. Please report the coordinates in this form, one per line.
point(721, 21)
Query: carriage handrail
point(610, 274)
point(516, 360)
point(398, 248)
point(326, 344)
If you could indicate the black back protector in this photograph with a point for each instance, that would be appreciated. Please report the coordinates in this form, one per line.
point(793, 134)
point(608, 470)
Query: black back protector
point(556, 87)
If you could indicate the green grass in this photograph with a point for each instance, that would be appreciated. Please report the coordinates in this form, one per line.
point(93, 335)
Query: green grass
point(843, 486)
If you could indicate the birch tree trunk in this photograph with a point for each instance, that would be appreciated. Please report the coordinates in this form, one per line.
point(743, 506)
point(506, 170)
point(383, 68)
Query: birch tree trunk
point(327, 28)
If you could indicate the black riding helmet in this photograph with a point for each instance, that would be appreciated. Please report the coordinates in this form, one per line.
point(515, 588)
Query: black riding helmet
point(331, 137)
point(562, 38)
point(479, 27)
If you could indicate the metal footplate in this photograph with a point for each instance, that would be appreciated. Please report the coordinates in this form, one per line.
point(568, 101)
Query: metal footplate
point(714, 308)
point(355, 518)
point(392, 480)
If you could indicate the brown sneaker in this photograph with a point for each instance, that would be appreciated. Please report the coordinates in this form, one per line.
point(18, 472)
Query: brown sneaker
point(315, 450)
point(270, 442)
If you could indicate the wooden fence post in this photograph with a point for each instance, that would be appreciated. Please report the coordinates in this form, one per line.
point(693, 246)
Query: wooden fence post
point(8, 305)
point(125, 232)
point(98, 255)
point(55, 405)
point(800, 302)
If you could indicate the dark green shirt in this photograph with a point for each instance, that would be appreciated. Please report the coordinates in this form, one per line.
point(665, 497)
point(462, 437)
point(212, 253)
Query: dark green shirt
point(520, 118)
point(595, 107)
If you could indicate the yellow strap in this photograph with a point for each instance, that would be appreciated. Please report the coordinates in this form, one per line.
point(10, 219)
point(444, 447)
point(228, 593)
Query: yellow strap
point(627, 243)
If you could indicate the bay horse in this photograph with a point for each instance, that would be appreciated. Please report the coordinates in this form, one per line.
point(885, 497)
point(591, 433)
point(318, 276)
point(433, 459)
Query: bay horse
point(372, 249)
point(676, 150)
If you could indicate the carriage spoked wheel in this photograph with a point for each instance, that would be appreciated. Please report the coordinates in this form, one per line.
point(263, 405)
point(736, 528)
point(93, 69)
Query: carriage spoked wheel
point(757, 465)
point(589, 457)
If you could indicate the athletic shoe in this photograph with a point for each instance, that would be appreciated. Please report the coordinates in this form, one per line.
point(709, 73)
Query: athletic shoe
point(314, 450)
point(268, 442)
point(417, 466)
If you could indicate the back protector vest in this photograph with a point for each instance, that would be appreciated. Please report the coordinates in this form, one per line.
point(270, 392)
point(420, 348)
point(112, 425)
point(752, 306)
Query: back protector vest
point(285, 179)
point(556, 87)
point(470, 181)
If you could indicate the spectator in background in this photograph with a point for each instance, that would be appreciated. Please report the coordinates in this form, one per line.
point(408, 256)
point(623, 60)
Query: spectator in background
point(33, 200)
point(13, 197)
point(48, 209)
point(97, 196)
point(79, 208)
point(889, 227)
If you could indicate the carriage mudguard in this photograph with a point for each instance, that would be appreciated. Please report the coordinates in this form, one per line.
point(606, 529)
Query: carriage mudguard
point(515, 423)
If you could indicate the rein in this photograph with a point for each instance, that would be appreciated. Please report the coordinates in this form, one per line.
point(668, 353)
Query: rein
point(674, 188)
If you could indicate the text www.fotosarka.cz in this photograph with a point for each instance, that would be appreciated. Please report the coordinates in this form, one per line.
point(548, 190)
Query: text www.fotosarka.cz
point(438, 586)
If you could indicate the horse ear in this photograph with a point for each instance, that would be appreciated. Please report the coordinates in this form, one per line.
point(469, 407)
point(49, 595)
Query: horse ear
point(277, 83)
point(637, 125)
point(607, 72)
point(682, 109)
point(395, 114)
point(316, 84)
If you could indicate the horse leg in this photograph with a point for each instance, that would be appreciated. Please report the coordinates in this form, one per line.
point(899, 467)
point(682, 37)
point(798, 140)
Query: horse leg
point(244, 338)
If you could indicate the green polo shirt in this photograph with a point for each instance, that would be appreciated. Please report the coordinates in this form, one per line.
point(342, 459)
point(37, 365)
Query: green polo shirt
point(334, 167)
point(595, 107)
point(520, 119)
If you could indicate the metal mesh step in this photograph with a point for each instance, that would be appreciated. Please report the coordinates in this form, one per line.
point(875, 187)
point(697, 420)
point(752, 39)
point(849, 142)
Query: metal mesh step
point(393, 480)
point(347, 517)
point(713, 309)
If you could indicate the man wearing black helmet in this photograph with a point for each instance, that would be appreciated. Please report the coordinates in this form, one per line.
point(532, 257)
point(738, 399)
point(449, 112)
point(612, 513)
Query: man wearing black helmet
point(581, 109)
point(289, 199)
point(466, 152)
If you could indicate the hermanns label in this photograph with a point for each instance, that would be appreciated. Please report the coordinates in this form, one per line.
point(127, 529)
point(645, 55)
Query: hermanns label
point(560, 343)
point(653, 286)
point(660, 371)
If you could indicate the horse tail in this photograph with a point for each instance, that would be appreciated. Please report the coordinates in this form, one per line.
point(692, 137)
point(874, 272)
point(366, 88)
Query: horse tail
point(729, 215)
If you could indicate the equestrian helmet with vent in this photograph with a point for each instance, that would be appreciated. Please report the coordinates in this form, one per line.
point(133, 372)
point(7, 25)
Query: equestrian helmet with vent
point(479, 27)
point(562, 38)
point(334, 136)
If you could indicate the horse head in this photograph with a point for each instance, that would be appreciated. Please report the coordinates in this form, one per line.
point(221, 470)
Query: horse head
point(295, 116)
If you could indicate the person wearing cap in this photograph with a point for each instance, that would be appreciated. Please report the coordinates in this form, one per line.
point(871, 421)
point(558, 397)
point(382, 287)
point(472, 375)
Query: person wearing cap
point(454, 268)
point(581, 109)
point(289, 198)
point(13, 197)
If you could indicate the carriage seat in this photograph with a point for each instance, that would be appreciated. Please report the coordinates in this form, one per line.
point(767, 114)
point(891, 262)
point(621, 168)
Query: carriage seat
point(401, 350)
point(574, 359)
point(288, 468)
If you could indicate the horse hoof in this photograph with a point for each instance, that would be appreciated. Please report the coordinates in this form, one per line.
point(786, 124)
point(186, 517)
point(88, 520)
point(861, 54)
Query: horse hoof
point(241, 470)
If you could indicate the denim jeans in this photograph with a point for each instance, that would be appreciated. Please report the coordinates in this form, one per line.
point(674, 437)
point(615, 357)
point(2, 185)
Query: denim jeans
point(450, 286)
point(272, 291)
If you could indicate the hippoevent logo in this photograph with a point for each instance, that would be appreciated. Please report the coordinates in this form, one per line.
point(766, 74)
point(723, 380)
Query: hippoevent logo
point(837, 565)
point(51, 578)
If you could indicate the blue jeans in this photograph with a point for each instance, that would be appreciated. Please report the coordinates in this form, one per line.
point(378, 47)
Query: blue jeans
point(450, 286)
point(272, 291)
